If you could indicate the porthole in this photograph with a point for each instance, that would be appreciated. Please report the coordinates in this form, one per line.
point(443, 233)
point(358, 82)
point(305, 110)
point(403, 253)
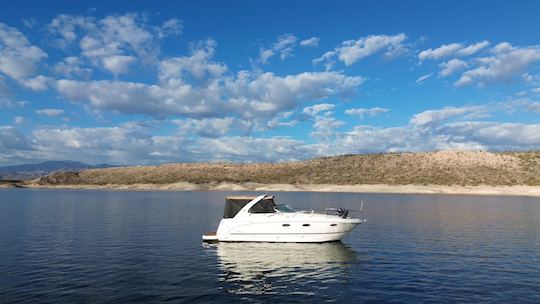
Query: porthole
point(333, 225)
point(286, 225)
point(306, 225)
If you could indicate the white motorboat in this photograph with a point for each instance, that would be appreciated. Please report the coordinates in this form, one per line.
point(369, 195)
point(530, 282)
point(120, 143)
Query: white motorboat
point(259, 219)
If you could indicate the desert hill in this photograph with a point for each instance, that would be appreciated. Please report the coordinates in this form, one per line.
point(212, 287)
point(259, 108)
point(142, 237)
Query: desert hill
point(466, 168)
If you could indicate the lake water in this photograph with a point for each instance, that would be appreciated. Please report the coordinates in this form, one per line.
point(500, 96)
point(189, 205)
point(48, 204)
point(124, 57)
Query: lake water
point(127, 247)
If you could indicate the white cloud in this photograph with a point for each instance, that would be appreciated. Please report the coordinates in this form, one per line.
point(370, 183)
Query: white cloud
point(19, 59)
point(171, 27)
point(68, 28)
point(207, 127)
point(318, 108)
point(327, 58)
point(30, 23)
point(432, 117)
point(18, 120)
point(423, 78)
point(533, 79)
point(536, 90)
point(128, 97)
point(114, 42)
point(452, 66)
point(72, 67)
point(252, 149)
point(265, 55)
point(133, 143)
point(506, 64)
point(360, 112)
point(441, 129)
point(111, 143)
point(9, 103)
point(283, 46)
point(38, 83)
point(473, 48)
point(129, 143)
point(443, 51)
point(311, 42)
point(513, 106)
point(280, 120)
point(496, 136)
point(12, 140)
point(536, 107)
point(324, 123)
point(350, 51)
point(198, 64)
point(50, 112)
point(247, 95)
point(364, 139)
point(118, 64)
point(453, 49)
point(325, 127)
point(267, 94)
point(217, 109)
point(4, 89)
point(197, 86)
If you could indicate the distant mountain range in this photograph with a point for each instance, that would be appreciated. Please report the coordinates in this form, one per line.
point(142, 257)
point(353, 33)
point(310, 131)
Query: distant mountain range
point(31, 171)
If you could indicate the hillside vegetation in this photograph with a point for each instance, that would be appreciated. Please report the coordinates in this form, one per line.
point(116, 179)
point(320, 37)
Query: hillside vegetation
point(437, 168)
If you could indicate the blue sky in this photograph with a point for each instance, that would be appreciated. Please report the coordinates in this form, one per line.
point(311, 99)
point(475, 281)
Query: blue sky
point(150, 82)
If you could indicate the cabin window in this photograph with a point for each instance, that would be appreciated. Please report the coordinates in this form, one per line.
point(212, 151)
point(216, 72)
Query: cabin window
point(264, 206)
point(306, 225)
point(333, 225)
point(286, 225)
point(235, 204)
point(284, 208)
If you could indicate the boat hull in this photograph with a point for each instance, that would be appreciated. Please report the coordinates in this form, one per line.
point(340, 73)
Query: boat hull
point(304, 228)
point(285, 238)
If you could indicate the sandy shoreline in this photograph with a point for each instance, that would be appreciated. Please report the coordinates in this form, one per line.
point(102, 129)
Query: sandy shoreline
point(411, 189)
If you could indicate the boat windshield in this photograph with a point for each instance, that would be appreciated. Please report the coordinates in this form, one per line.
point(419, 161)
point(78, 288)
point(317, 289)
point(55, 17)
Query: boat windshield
point(284, 208)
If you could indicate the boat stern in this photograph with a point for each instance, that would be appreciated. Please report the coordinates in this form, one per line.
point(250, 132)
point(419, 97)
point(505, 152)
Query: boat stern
point(210, 237)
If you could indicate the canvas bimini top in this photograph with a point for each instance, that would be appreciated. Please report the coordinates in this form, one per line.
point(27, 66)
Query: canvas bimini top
point(235, 203)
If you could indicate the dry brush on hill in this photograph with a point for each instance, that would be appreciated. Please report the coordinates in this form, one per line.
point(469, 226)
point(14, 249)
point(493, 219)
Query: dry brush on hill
point(437, 168)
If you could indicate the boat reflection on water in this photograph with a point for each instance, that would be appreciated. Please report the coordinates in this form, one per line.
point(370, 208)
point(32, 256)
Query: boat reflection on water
point(287, 268)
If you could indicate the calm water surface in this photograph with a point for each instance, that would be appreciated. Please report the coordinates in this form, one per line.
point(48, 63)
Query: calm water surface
point(59, 246)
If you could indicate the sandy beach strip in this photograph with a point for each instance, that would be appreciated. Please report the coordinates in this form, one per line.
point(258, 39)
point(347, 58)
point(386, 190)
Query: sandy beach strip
point(519, 190)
